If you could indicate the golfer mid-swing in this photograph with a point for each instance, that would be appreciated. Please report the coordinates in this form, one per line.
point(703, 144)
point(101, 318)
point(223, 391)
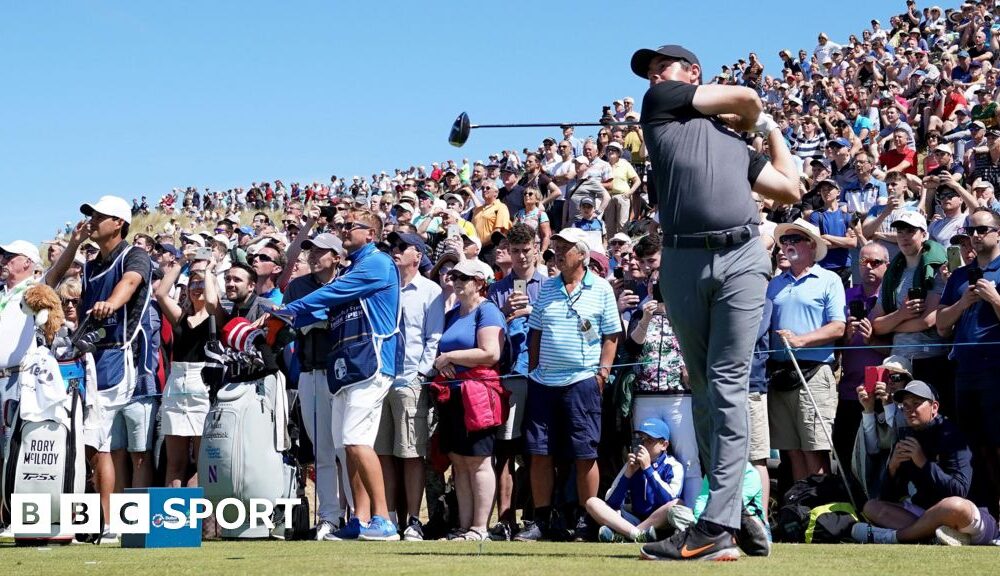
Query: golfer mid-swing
point(718, 269)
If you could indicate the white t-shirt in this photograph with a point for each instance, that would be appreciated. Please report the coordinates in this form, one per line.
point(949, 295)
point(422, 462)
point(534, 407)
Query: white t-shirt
point(563, 168)
point(17, 329)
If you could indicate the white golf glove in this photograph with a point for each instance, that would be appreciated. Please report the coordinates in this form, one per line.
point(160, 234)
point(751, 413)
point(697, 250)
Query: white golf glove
point(765, 123)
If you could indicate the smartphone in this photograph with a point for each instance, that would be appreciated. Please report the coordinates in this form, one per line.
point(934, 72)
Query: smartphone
point(916, 293)
point(954, 258)
point(619, 273)
point(520, 286)
point(857, 309)
point(975, 274)
point(873, 374)
point(453, 231)
point(203, 254)
point(656, 292)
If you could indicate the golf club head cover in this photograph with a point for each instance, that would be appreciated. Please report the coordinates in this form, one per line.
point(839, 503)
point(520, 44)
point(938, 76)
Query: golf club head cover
point(240, 335)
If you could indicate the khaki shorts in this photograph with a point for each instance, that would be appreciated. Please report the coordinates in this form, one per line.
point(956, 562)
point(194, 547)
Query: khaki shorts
point(403, 429)
point(760, 435)
point(793, 422)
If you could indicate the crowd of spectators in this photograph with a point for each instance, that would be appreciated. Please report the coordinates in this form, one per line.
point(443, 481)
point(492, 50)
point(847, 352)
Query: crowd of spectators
point(532, 280)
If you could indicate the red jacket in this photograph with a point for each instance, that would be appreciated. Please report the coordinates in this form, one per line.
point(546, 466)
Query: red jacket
point(485, 401)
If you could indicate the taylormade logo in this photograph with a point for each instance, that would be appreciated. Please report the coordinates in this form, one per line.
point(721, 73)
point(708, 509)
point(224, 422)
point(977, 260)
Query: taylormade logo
point(32, 514)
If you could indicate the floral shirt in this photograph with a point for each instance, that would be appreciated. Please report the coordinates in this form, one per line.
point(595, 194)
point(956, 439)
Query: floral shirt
point(659, 361)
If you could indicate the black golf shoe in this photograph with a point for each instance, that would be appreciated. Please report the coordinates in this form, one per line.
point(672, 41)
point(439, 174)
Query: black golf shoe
point(693, 544)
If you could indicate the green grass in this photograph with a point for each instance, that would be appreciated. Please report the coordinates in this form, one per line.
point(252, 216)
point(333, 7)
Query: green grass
point(492, 558)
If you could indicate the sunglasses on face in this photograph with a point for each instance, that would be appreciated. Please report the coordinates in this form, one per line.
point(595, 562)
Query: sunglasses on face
point(946, 195)
point(459, 277)
point(981, 230)
point(792, 239)
point(262, 258)
point(873, 262)
point(351, 226)
point(74, 302)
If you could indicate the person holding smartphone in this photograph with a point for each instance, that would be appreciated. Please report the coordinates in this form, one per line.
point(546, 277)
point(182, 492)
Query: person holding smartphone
point(907, 305)
point(969, 312)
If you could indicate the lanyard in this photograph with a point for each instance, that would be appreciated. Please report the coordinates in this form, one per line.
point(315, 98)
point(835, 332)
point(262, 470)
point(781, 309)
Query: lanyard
point(10, 295)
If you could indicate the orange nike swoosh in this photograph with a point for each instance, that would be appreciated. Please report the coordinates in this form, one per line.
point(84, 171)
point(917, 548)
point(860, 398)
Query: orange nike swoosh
point(685, 553)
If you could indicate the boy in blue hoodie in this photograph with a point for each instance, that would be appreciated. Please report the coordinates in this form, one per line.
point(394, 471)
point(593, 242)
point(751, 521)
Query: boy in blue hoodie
point(651, 481)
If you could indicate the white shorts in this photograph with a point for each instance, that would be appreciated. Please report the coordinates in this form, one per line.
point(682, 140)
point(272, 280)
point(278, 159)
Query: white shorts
point(100, 418)
point(357, 411)
point(185, 404)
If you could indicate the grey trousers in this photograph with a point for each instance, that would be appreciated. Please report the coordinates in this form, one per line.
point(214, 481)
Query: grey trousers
point(715, 301)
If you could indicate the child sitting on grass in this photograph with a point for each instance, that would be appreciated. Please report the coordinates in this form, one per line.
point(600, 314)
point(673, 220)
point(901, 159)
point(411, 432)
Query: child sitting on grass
point(651, 480)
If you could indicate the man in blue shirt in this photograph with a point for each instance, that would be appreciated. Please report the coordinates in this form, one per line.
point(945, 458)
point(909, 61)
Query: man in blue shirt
point(574, 328)
point(514, 295)
point(970, 311)
point(808, 314)
point(362, 307)
point(834, 227)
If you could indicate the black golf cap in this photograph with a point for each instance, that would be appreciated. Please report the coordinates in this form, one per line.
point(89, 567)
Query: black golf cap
point(642, 57)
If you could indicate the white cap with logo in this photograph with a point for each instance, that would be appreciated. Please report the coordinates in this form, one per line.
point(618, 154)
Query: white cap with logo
point(24, 248)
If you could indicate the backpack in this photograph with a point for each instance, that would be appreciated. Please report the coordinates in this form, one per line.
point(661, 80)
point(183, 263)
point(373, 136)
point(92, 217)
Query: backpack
point(831, 524)
point(795, 521)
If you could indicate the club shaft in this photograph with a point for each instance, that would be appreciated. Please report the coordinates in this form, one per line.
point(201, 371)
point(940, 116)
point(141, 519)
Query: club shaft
point(552, 124)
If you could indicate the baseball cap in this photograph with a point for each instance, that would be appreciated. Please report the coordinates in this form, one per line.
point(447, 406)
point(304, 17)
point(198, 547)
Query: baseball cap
point(615, 145)
point(621, 237)
point(602, 262)
point(642, 57)
point(587, 200)
point(820, 163)
point(473, 238)
point(170, 249)
point(571, 235)
point(911, 218)
point(841, 142)
point(944, 147)
point(980, 183)
point(404, 206)
point(497, 237)
point(245, 230)
point(548, 141)
point(963, 54)
point(581, 160)
point(324, 241)
point(979, 125)
point(409, 239)
point(109, 206)
point(917, 388)
point(475, 268)
point(654, 428)
point(194, 238)
point(898, 363)
point(454, 197)
point(24, 248)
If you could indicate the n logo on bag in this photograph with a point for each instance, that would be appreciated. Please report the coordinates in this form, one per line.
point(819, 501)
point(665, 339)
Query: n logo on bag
point(213, 474)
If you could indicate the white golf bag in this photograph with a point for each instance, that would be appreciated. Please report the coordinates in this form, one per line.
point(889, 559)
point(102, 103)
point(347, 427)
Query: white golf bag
point(46, 452)
point(241, 448)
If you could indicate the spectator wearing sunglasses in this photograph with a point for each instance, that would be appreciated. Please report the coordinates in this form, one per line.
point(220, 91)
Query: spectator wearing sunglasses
point(363, 310)
point(268, 263)
point(969, 312)
point(808, 314)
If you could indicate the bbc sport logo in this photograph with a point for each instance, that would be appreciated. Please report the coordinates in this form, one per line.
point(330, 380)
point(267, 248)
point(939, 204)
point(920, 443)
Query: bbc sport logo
point(33, 514)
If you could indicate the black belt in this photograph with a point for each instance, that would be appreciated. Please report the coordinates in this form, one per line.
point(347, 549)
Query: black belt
point(712, 240)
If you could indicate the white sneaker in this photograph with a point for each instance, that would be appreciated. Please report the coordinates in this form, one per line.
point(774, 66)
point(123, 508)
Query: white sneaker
point(6, 533)
point(864, 533)
point(323, 528)
point(108, 537)
point(950, 537)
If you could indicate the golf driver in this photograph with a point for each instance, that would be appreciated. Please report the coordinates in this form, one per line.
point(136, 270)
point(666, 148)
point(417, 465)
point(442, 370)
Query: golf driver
point(460, 129)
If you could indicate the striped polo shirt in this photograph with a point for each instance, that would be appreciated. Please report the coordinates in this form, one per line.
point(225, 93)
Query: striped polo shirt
point(566, 354)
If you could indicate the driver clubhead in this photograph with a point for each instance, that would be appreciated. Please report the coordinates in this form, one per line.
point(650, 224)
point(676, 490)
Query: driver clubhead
point(460, 130)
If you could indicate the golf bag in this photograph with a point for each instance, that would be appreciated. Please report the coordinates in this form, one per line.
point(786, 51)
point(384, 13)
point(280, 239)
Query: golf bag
point(245, 434)
point(46, 453)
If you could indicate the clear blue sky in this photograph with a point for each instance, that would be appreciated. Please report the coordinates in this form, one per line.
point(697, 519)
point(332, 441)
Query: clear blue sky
point(134, 98)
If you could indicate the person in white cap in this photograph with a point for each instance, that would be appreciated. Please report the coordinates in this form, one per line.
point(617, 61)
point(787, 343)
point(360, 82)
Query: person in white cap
point(17, 329)
point(116, 297)
point(574, 329)
point(907, 306)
